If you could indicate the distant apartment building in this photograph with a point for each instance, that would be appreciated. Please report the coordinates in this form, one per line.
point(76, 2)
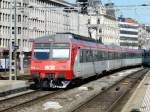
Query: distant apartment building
point(129, 29)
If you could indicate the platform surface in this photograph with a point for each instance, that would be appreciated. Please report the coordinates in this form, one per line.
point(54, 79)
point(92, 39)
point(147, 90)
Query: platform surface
point(140, 100)
point(8, 85)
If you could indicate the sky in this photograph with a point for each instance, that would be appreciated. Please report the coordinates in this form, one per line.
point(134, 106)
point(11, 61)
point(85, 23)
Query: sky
point(142, 14)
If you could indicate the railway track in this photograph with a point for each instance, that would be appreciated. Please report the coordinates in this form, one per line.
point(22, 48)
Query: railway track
point(109, 99)
point(27, 99)
point(21, 77)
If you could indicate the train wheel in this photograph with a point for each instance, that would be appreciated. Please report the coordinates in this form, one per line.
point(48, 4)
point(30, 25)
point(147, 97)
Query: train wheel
point(36, 84)
point(44, 84)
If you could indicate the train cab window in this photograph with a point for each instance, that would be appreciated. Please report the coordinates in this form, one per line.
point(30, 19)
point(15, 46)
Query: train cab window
point(41, 54)
point(60, 51)
point(48, 51)
point(41, 51)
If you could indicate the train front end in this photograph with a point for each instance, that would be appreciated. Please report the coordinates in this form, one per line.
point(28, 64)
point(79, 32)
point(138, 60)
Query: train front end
point(51, 65)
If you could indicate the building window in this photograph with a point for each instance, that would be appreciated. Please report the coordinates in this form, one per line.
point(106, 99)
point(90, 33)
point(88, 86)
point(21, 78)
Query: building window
point(0, 16)
point(19, 18)
point(13, 32)
point(89, 22)
point(98, 21)
point(129, 32)
point(19, 30)
point(13, 17)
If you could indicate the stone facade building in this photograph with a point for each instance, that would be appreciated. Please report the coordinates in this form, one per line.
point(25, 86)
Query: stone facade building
point(36, 18)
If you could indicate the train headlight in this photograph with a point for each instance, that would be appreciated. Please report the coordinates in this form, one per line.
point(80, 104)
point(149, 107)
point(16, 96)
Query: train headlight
point(36, 75)
point(63, 67)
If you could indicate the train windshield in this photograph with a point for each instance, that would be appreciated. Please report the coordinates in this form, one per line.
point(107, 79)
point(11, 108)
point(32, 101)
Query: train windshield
point(41, 51)
point(51, 51)
point(60, 51)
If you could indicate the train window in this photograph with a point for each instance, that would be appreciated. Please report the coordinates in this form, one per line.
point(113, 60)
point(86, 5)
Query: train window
point(119, 55)
point(45, 51)
point(41, 54)
point(111, 55)
point(132, 55)
point(60, 53)
point(89, 56)
point(127, 55)
point(86, 56)
point(140, 55)
point(95, 56)
point(124, 55)
point(115, 55)
point(81, 56)
point(99, 55)
point(105, 55)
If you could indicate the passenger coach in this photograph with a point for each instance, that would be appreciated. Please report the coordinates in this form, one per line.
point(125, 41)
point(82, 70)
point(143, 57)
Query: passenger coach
point(60, 59)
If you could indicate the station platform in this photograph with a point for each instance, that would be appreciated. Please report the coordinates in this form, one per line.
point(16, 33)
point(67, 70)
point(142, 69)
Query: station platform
point(9, 86)
point(140, 99)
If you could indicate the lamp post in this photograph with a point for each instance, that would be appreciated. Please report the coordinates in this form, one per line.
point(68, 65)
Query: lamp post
point(10, 45)
point(15, 37)
point(21, 56)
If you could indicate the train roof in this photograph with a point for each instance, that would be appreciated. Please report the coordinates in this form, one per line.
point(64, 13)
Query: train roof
point(83, 41)
point(63, 37)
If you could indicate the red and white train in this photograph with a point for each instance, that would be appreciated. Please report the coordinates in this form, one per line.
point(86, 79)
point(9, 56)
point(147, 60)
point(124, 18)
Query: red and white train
point(59, 59)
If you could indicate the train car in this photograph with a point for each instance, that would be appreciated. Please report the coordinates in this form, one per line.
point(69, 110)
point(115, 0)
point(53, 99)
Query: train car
point(60, 59)
point(146, 59)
